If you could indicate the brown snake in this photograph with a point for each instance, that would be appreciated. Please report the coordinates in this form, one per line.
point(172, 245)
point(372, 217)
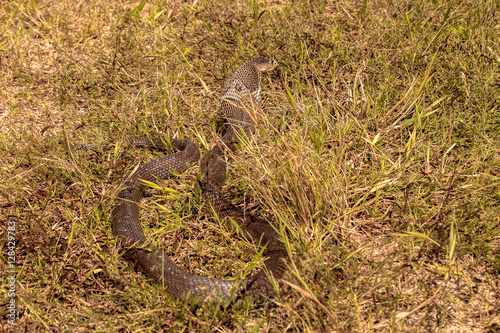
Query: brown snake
point(240, 95)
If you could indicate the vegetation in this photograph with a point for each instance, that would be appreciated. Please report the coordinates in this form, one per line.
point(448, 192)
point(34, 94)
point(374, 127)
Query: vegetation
point(377, 156)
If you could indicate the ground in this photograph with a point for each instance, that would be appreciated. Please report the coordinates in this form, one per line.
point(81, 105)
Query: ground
point(376, 156)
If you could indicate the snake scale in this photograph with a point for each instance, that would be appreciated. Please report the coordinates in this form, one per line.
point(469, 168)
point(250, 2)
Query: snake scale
point(240, 95)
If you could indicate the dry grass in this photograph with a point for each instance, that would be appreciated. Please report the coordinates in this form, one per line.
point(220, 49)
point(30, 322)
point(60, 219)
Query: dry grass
point(378, 156)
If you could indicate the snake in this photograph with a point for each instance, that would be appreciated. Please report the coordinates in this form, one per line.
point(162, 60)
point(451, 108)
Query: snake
point(239, 98)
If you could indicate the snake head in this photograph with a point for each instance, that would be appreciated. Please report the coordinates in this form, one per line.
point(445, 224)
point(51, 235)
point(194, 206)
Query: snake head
point(264, 64)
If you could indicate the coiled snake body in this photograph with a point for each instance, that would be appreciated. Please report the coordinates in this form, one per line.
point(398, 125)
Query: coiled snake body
point(240, 95)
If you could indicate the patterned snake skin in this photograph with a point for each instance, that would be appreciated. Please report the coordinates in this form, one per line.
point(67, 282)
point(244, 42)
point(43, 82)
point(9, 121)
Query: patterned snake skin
point(240, 96)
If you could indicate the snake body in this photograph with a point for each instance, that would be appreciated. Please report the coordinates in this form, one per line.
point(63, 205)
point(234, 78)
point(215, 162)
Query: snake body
point(240, 95)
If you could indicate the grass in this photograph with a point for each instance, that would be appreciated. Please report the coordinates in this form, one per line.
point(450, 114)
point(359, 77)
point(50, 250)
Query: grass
point(377, 156)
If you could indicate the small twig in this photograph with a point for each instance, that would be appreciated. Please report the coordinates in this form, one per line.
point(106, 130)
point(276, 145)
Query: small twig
point(403, 315)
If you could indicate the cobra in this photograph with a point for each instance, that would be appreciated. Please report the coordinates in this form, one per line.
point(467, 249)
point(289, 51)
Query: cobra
point(240, 95)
